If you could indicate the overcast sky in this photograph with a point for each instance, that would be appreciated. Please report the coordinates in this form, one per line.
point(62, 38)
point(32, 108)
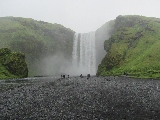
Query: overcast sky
point(78, 15)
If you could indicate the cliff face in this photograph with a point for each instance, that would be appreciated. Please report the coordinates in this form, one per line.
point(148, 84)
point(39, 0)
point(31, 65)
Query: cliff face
point(133, 48)
point(12, 64)
point(38, 40)
point(103, 33)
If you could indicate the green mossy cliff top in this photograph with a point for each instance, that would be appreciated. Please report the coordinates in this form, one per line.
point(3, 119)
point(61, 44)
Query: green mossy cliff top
point(133, 48)
point(12, 64)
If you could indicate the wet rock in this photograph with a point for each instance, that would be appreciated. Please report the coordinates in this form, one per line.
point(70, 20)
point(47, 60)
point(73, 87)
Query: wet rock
point(82, 98)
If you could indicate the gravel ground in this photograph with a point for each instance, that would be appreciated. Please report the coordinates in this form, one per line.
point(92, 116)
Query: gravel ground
point(78, 98)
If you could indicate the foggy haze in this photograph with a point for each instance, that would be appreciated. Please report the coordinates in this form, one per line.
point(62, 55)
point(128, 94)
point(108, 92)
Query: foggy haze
point(56, 64)
point(79, 15)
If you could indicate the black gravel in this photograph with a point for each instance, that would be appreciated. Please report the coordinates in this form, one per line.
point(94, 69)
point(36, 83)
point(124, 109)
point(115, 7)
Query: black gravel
point(113, 98)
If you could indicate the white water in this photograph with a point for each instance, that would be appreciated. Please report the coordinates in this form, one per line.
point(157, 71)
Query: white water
point(84, 53)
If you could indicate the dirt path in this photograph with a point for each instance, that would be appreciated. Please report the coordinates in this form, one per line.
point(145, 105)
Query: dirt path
point(81, 98)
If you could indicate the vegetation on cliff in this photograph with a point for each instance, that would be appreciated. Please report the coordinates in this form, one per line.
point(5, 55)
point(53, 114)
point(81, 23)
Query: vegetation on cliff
point(36, 39)
point(12, 64)
point(133, 48)
point(103, 33)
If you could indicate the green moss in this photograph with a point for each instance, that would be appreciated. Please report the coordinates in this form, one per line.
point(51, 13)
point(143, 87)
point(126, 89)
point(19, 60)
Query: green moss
point(12, 64)
point(133, 48)
point(4, 73)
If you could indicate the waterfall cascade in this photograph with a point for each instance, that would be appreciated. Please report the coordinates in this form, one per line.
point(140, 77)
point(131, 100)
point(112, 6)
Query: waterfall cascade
point(84, 53)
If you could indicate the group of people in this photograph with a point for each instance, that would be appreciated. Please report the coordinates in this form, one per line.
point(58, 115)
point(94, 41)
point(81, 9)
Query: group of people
point(63, 76)
point(88, 76)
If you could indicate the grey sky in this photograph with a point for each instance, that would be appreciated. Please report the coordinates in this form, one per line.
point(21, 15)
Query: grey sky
point(78, 15)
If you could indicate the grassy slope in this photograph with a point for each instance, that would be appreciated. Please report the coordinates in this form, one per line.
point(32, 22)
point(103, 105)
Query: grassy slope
point(37, 39)
point(133, 48)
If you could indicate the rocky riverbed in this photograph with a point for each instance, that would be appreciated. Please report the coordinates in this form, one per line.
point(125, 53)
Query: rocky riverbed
point(81, 98)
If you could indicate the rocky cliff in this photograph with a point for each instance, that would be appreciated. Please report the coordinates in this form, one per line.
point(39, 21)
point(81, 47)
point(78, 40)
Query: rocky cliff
point(12, 64)
point(103, 33)
point(133, 48)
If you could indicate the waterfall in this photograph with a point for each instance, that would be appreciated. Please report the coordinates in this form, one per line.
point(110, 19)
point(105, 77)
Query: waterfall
point(84, 53)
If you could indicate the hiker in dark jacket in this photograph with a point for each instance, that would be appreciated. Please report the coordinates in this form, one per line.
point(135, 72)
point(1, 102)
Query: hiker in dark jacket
point(88, 76)
point(81, 76)
point(63, 76)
